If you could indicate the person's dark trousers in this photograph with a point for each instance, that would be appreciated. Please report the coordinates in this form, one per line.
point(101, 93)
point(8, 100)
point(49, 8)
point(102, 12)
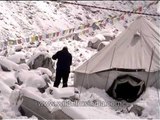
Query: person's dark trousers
point(61, 74)
point(58, 78)
point(65, 78)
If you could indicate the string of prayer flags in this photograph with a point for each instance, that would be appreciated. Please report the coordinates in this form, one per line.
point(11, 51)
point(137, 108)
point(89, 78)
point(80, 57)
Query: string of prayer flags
point(50, 35)
point(70, 30)
point(27, 39)
point(87, 31)
point(36, 38)
point(54, 34)
point(107, 20)
point(122, 17)
point(111, 21)
point(33, 39)
point(84, 32)
point(5, 43)
point(118, 18)
point(60, 33)
point(82, 26)
point(67, 31)
point(63, 33)
point(40, 37)
point(23, 40)
point(57, 34)
point(140, 9)
point(79, 28)
point(14, 42)
point(73, 29)
point(10, 42)
point(47, 35)
point(86, 26)
point(129, 14)
point(99, 23)
point(19, 41)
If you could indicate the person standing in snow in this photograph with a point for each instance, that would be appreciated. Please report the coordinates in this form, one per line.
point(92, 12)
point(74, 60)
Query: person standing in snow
point(63, 66)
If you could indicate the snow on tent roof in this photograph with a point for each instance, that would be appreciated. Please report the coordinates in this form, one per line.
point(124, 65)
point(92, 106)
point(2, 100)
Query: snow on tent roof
point(127, 51)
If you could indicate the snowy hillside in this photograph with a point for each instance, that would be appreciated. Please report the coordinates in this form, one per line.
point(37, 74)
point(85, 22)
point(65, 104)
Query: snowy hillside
point(21, 20)
point(26, 18)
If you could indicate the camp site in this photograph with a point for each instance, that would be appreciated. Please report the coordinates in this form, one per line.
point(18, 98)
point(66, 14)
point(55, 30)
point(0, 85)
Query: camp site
point(79, 60)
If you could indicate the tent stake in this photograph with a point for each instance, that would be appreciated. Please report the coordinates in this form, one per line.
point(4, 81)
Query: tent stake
point(110, 66)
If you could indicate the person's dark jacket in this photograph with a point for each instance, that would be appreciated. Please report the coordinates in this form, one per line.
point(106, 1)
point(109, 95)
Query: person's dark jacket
point(64, 60)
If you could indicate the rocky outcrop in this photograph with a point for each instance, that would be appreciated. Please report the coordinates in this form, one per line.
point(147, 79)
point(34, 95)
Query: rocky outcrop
point(41, 60)
point(137, 110)
point(95, 44)
point(7, 65)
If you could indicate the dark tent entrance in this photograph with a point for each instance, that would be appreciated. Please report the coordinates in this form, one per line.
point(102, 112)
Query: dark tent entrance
point(127, 88)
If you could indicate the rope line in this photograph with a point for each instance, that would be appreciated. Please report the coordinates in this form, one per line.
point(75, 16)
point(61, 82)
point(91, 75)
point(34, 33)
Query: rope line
point(117, 10)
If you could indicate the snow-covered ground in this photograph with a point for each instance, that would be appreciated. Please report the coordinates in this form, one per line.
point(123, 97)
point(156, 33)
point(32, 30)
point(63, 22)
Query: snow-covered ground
point(26, 18)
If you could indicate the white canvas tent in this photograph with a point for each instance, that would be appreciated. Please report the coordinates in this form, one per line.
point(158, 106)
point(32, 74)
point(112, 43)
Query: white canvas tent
point(136, 52)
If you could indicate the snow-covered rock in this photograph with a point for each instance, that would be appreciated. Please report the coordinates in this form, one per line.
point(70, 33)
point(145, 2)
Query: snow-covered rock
point(41, 60)
point(23, 66)
point(96, 41)
point(8, 78)
point(31, 78)
point(7, 65)
point(18, 48)
point(17, 57)
point(102, 45)
point(5, 89)
point(45, 71)
point(62, 92)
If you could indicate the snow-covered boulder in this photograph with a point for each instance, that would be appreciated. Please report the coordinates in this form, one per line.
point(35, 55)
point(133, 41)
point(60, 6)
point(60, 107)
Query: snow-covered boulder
point(3, 53)
point(94, 26)
point(39, 78)
point(5, 89)
point(100, 37)
point(137, 110)
point(34, 104)
point(99, 41)
point(95, 41)
point(41, 60)
point(102, 45)
point(76, 37)
point(8, 78)
point(18, 48)
point(7, 65)
point(62, 92)
point(108, 37)
point(45, 71)
point(17, 57)
point(23, 66)
point(31, 78)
